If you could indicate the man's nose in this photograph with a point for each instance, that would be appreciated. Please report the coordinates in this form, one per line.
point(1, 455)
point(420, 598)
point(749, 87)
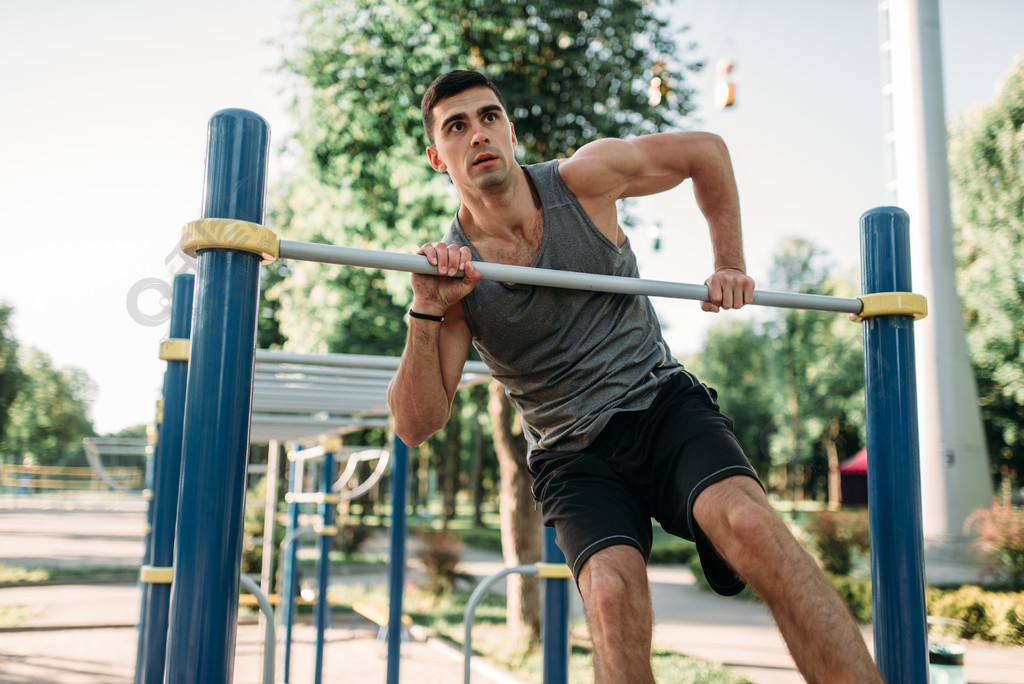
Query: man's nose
point(480, 137)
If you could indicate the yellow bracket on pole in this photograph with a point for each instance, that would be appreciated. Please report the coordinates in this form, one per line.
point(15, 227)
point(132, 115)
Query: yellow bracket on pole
point(331, 445)
point(214, 233)
point(553, 571)
point(174, 349)
point(151, 574)
point(892, 304)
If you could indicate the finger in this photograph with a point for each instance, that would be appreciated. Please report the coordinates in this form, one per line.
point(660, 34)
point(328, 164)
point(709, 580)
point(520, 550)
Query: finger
point(441, 250)
point(709, 307)
point(453, 259)
point(428, 251)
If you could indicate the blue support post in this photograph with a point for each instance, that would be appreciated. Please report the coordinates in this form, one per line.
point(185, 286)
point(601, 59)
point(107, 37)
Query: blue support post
point(396, 567)
point(894, 470)
point(208, 546)
point(290, 580)
point(323, 567)
point(554, 634)
point(167, 471)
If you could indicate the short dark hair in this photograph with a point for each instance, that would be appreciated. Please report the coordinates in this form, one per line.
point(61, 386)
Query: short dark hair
point(448, 85)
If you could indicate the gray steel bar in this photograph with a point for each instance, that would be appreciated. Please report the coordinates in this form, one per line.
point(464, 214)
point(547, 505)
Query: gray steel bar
point(269, 640)
point(416, 263)
point(350, 360)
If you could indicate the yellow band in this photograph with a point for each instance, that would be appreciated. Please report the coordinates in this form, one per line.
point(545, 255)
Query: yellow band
point(327, 530)
point(311, 497)
point(174, 349)
point(892, 304)
point(331, 445)
point(554, 571)
point(230, 234)
point(153, 575)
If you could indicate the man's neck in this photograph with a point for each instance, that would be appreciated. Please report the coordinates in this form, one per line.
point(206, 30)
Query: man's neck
point(495, 214)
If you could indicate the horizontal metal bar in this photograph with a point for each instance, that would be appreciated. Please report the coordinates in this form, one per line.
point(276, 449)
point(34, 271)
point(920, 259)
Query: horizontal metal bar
point(347, 360)
point(417, 263)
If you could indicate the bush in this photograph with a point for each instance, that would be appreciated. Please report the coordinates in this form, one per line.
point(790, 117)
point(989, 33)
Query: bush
point(836, 535)
point(441, 554)
point(1000, 531)
point(979, 614)
point(350, 539)
point(856, 593)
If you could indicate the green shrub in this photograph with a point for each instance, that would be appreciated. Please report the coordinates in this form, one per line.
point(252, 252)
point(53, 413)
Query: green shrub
point(856, 593)
point(1000, 531)
point(675, 552)
point(979, 614)
point(351, 538)
point(441, 554)
point(836, 536)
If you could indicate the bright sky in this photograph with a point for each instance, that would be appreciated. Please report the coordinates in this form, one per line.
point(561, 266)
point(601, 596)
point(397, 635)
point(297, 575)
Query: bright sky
point(105, 106)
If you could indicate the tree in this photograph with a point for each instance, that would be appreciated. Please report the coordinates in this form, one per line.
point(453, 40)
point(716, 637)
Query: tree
point(49, 418)
point(818, 365)
point(792, 381)
point(570, 73)
point(11, 375)
point(986, 151)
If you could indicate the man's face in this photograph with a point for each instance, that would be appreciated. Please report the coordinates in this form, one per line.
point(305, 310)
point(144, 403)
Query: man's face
point(474, 141)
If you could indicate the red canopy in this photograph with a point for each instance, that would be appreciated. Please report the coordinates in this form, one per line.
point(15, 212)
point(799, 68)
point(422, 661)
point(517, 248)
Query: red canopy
point(856, 464)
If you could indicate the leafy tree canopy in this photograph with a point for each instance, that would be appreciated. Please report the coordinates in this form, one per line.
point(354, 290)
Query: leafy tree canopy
point(986, 151)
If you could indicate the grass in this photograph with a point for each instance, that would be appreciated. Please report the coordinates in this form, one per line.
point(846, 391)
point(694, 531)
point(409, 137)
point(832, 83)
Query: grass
point(12, 616)
point(13, 574)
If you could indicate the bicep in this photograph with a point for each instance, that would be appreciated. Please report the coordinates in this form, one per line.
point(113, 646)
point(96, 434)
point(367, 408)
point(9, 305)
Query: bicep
point(645, 165)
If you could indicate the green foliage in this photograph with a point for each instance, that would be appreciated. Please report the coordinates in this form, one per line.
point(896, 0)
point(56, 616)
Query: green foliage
point(979, 614)
point(441, 554)
point(49, 416)
point(1000, 536)
point(253, 528)
point(792, 381)
point(359, 69)
point(11, 375)
point(986, 151)
point(351, 538)
point(856, 594)
point(836, 536)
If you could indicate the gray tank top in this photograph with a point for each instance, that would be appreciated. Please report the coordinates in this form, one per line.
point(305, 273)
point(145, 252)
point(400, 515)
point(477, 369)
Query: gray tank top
point(569, 359)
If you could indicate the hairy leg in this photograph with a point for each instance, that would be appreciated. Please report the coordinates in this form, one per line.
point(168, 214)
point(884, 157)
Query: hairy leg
point(616, 597)
point(817, 626)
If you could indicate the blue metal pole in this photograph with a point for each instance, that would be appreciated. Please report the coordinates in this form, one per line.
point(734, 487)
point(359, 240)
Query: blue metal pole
point(396, 569)
point(167, 472)
point(323, 567)
point(208, 547)
point(290, 579)
point(554, 635)
point(894, 470)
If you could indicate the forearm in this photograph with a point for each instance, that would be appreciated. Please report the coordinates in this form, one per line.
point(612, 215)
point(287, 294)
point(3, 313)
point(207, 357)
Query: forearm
point(714, 187)
point(418, 395)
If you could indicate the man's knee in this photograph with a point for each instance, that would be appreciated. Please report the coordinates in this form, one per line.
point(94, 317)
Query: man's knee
point(736, 511)
point(615, 575)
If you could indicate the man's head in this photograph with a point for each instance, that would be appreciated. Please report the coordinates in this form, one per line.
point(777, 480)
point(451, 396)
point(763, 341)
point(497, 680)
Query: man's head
point(448, 85)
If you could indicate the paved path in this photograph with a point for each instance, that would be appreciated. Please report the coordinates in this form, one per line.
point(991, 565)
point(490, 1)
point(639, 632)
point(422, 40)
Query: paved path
point(85, 633)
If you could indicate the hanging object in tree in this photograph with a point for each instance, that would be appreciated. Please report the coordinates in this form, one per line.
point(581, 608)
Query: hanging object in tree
point(725, 88)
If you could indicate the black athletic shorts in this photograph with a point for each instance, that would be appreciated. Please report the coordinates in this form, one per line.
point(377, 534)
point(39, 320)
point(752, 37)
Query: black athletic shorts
point(644, 464)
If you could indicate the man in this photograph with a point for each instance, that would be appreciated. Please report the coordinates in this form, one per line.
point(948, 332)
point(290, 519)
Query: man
point(619, 431)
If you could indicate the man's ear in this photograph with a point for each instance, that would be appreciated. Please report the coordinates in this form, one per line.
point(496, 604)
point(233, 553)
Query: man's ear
point(435, 161)
point(515, 142)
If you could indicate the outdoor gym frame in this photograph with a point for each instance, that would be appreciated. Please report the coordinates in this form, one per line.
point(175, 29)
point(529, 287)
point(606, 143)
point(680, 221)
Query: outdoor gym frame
point(230, 245)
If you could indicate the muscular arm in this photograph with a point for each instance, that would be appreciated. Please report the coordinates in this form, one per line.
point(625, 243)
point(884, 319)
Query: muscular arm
point(611, 169)
point(421, 393)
